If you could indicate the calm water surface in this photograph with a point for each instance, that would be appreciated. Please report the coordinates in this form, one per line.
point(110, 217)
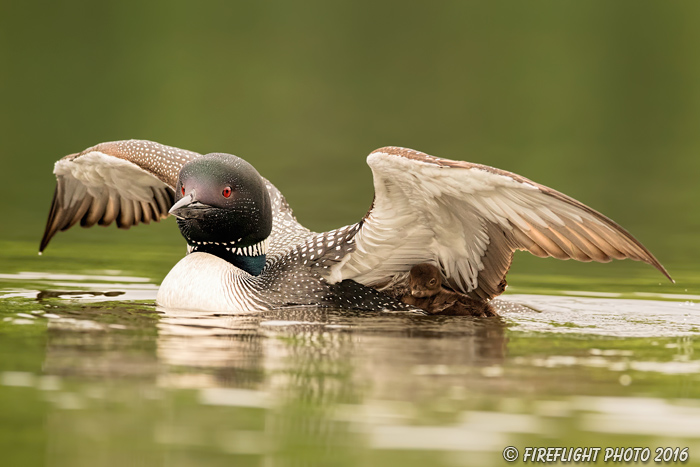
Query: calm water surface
point(93, 373)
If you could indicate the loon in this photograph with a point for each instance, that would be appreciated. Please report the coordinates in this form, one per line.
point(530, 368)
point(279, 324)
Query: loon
point(422, 287)
point(247, 252)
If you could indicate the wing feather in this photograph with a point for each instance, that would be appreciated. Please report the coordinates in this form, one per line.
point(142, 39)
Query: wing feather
point(96, 210)
point(146, 212)
point(82, 208)
point(163, 199)
point(111, 211)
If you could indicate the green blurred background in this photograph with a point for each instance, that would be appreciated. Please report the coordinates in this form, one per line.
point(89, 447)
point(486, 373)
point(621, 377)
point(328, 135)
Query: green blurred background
point(598, 99)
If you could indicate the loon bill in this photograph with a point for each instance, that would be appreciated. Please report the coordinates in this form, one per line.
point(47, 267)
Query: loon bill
point(246, 250)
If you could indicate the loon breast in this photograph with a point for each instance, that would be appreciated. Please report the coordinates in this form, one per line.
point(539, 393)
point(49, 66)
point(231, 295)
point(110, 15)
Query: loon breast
point(201, 281)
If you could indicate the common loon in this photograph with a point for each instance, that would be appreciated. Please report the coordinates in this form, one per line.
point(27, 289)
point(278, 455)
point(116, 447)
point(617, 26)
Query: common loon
point(247, 252)
point(422, 287)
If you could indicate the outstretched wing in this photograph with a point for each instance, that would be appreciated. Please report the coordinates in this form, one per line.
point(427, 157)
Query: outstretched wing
point(133, 181)
point(126, 182)
point(468, 219)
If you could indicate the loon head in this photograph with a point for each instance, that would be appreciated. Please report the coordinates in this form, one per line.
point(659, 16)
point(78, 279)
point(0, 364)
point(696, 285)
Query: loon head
point(223, 208)
point(425, 280)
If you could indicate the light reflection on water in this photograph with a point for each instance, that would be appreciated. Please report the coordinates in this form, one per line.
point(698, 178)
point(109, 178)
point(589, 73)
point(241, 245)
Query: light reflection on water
point(370, 389)
point(608, 317)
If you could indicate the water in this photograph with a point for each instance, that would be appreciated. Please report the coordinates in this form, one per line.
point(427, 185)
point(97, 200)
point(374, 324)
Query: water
point(598, 99)
point(92, 373)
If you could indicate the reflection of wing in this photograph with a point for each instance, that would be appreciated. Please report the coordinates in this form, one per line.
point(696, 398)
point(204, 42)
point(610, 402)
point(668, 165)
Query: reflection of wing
point(468, 219)
point(129, 182)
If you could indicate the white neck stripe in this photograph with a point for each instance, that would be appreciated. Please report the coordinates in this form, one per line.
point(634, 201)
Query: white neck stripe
point(258, 249)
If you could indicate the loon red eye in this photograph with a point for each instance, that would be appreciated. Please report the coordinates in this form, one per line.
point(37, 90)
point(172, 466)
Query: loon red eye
point(226, 192)
point(183, 190)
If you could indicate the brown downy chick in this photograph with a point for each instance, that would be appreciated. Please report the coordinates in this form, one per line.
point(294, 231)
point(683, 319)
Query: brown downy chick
point(424, 280)
point(428, 293)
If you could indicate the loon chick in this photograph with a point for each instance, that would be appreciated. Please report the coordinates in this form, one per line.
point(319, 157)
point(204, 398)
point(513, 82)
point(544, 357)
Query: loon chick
point(425, 291)
point(246, 250)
